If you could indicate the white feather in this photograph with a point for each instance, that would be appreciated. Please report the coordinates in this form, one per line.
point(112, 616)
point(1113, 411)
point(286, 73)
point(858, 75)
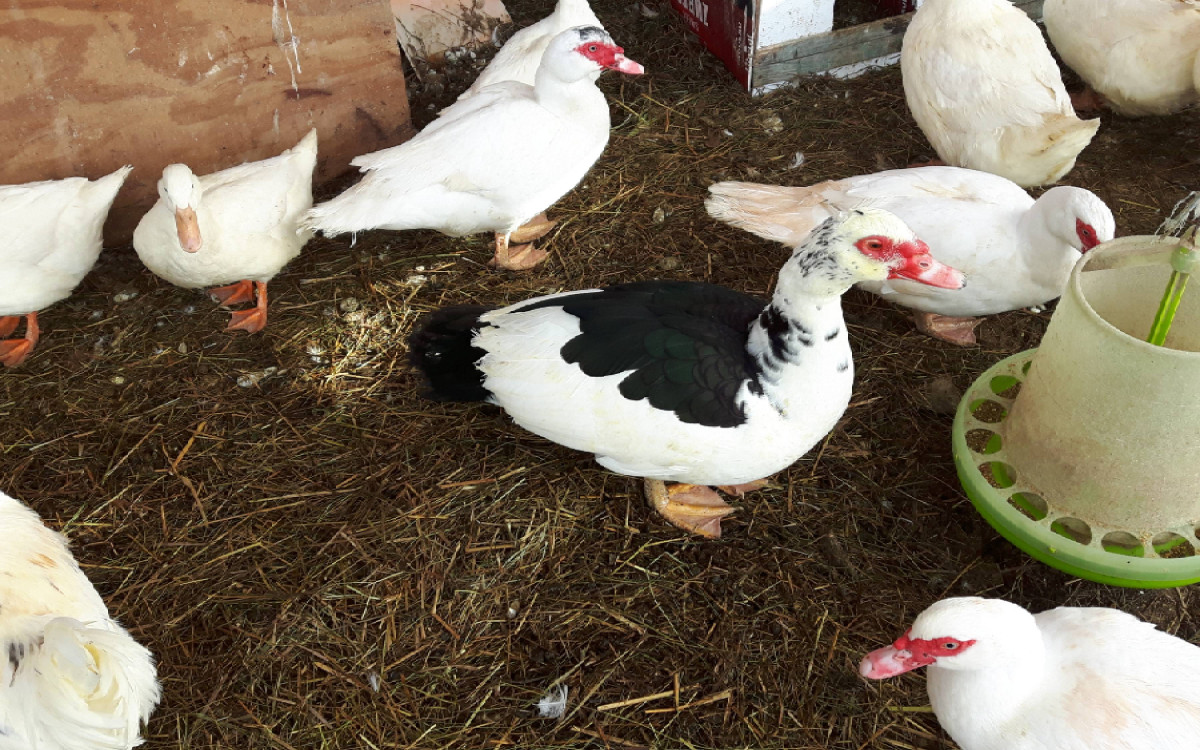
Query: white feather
point(71, 678)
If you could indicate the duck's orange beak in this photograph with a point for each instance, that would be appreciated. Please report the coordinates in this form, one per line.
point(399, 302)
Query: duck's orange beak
point(188, 229)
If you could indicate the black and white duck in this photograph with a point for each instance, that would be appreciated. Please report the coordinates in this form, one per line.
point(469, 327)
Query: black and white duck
point(679, 381)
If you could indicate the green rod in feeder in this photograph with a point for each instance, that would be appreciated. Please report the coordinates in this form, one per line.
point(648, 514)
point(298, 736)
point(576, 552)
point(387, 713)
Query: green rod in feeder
point(1184, 261)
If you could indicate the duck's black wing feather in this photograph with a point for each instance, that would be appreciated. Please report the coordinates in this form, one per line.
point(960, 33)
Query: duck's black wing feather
point(683, 344)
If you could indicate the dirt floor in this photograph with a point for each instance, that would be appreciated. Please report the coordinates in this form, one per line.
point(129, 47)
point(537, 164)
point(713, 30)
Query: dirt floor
point(321, 559)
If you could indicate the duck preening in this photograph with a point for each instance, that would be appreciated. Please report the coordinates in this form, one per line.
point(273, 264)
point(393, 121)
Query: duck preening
point(493, 161)
point(680, 381)
point(1071, 678)
point(53, 239)
point(237, 227)
point(73, 679)
point(1014, 251)
point(983, 87)
point(1142, 57)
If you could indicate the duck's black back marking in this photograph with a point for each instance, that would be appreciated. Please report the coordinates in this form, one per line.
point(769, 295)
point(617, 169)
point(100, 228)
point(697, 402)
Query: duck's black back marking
point(442, 350)
point(683, 344)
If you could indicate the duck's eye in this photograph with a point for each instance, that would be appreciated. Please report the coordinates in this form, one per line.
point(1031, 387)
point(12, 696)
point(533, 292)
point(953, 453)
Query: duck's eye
point(874, 245)
point(950, 646)
point(593, 48)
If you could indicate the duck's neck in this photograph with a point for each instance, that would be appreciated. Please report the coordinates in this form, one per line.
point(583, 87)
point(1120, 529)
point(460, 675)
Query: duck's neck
point(571, 100)
point(1048, 256)
point(799, 345)
point(983, 701)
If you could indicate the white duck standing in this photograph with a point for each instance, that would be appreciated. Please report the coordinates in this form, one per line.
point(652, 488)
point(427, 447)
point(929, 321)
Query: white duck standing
point(73, 679)
point(680, 381)
point(1014, 251)
point(985, 90)
point(493, 161)
point(1141, 56)
point(520, 56)
point(53, 237)
point(1071, 678)
point(518, 60)
point(239, 227)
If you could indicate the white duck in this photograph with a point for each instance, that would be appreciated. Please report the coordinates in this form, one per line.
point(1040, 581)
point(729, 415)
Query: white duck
point(493, 161)
point(520, 56)
point(73, 679)
point(985, 90)
point(1071, 678)
point(1142, 56)
point(518, 60)
point(1014, 251)
point(680, 381)
point(53, 236)
point(238, 225)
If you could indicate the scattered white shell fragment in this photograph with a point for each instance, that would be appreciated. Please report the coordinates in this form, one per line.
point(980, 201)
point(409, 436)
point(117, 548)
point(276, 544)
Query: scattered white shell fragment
point(254, 378)
point(797, 161)
point(96, 315)
point(182, 348)
point(417, 279)
point(348, 305)
point(373, 680)
point(772, 123)
point(659, 215)
point(120, 297)
point(554, 703)
point(117, 380)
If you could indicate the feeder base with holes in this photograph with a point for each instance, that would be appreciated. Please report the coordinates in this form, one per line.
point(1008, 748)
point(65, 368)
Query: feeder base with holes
point(1024, 518)
point(1094, 467)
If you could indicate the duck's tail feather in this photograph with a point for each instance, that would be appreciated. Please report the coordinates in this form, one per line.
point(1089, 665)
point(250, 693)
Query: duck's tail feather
point(443, 350)
point(1054, 152)
point(773, 212)
point(83, 686)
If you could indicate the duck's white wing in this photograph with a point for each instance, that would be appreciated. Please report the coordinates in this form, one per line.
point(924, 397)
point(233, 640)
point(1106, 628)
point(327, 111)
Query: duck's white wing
point(478, 150)
point(483, 100)
point(30, 214)
point(254, 198)
point(1001, 75)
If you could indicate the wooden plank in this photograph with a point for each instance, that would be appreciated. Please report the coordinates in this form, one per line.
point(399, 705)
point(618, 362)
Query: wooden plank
point(90, 86)
point(823, 52)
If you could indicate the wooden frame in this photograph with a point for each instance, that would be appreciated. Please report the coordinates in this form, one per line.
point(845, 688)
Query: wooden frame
point(827, 52)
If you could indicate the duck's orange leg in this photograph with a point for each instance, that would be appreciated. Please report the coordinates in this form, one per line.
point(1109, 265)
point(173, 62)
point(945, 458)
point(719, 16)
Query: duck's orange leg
point(515, 257)
point(14, 351)
point(234, 294)
point(8, 324)
point(691, 507)
point(254, 319)
point(960, 331)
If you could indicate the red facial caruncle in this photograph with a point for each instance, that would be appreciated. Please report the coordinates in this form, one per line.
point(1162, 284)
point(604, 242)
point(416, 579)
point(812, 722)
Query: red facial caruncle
point(909, 653)
point(609, 56)
point(910, 260)
point(1087, 234)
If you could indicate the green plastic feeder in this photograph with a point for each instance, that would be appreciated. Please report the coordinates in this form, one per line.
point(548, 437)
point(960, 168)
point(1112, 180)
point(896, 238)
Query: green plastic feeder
point(1085, 453)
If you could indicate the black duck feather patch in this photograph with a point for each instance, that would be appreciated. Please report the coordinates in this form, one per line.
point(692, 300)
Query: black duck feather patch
point(683, 344)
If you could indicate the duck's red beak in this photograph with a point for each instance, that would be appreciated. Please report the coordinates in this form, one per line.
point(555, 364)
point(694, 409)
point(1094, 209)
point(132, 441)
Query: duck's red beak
point(920, 265)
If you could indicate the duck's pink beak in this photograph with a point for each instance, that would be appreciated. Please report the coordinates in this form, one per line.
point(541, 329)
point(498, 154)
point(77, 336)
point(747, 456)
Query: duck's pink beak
point(920, 265)
point(188, 229)
point(625, 65)
point(889, 661)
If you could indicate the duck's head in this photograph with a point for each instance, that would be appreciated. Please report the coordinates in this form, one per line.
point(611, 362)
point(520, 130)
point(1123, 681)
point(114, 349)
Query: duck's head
point(584, 51)
point(1078, 217)
point(960, 633)
point(862, 245)
point(180, 191)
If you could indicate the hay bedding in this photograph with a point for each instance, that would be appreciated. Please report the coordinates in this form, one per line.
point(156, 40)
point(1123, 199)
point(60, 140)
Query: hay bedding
point(320, 559)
